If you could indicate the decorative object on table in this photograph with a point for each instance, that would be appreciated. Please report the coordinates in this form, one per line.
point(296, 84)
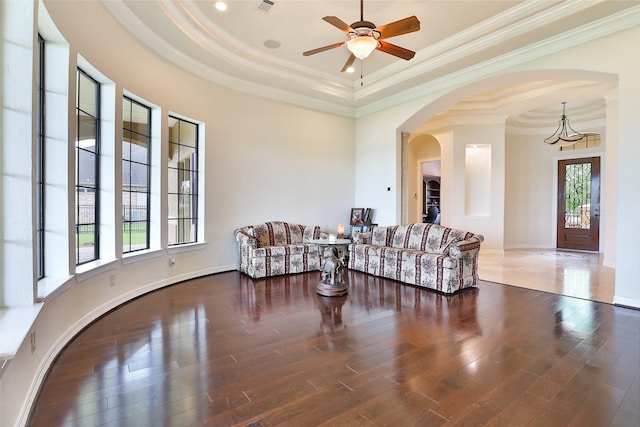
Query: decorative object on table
point(357, 216)
point(340, 231)
point(332, 238)
point(331, 283)
point(362, 221)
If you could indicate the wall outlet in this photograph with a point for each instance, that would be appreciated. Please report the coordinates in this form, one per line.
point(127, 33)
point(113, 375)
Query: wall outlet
point(112, 280)
point(33, 341)
point(172, 262)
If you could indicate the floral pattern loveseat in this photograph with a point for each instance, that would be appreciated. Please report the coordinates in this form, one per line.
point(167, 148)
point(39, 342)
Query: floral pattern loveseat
point(426, 255)
point(278, 247)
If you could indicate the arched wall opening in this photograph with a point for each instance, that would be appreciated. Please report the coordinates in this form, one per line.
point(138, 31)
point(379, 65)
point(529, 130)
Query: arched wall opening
point(508, 116)
point(423, 161)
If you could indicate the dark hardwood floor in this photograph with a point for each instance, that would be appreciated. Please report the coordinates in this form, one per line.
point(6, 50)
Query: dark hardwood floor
point(224, 350)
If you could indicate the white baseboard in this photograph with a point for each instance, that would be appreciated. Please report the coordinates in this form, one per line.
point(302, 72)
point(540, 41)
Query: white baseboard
point(626, 302)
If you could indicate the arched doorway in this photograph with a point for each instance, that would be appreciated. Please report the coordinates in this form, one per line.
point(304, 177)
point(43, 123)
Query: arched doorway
point(423, 162)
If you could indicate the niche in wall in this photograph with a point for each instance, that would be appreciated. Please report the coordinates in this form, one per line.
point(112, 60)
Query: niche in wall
point(477, 168)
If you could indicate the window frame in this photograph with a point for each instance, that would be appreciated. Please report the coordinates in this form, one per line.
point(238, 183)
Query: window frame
point(40, 160)
point(149, 166)
point(194, 173)
point(96, 208)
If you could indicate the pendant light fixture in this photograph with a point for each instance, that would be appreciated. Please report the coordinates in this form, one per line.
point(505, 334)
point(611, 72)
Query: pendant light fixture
point(565, 134)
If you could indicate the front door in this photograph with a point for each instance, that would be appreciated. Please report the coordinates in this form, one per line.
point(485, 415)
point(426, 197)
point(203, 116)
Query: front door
point(579, 204)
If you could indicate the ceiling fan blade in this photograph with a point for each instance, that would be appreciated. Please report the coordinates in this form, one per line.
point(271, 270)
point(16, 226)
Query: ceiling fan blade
point(322, 49)
point(338, 23)
point(349, 62)
point(403, 26)
point(394, 50)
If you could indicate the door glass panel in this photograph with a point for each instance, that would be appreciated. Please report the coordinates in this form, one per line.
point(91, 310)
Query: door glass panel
point(577, 196)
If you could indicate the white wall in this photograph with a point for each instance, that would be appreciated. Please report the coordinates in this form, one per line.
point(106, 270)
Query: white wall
point(377, 184)
point(487, 219)
point(529, 200)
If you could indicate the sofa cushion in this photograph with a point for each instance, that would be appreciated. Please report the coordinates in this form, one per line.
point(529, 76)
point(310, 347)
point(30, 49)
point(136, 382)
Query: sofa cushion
point(381, 236)
point(311, 233)
point(275, 233)
point(430, 238)
point(412, 236)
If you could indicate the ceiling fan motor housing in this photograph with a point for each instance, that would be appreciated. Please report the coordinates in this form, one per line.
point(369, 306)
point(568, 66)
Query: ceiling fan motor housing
point(364, 29)
point(361, 24)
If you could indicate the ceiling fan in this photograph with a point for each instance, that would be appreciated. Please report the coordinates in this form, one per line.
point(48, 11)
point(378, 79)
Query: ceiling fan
point(364, 37)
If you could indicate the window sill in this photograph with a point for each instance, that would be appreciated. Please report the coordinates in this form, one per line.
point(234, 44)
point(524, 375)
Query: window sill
point(138, 256)
point(188, 247)
point(91, 269)
point(15, 323)
point(48, 285)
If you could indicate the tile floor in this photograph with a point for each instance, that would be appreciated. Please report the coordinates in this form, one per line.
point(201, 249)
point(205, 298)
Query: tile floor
point(576, 274)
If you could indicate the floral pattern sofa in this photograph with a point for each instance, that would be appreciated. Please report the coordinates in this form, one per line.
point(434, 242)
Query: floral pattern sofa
point(426, 255)
point(276, 247)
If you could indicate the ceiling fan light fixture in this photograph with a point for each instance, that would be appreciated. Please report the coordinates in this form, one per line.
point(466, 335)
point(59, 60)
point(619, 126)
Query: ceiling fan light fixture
point(362, 46)
point(362, 42)
point(364, 37)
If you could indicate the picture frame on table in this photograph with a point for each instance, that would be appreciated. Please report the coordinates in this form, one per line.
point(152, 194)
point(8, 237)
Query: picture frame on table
point(367, 216)
point(357, 216)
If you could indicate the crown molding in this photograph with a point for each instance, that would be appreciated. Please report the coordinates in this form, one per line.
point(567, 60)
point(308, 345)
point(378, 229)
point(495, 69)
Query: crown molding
point(523, 18)
point(152, 40)
point(615, 23)
point(294, 83)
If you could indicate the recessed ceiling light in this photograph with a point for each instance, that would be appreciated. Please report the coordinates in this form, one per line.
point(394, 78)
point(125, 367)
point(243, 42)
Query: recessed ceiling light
point(220, 5)
point(350, 70)
point(272, 44)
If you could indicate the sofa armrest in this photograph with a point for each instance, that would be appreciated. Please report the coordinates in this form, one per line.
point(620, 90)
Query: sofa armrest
point(244, 239)
point(466, 248)
point(362, 238)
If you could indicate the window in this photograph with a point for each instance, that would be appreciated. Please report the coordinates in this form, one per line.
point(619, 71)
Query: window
point(136, 175)
point(40, 94)
point(183, 181)
point(87, 168)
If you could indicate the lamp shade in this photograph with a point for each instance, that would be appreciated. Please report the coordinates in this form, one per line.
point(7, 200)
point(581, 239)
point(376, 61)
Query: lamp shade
point(362, 46)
